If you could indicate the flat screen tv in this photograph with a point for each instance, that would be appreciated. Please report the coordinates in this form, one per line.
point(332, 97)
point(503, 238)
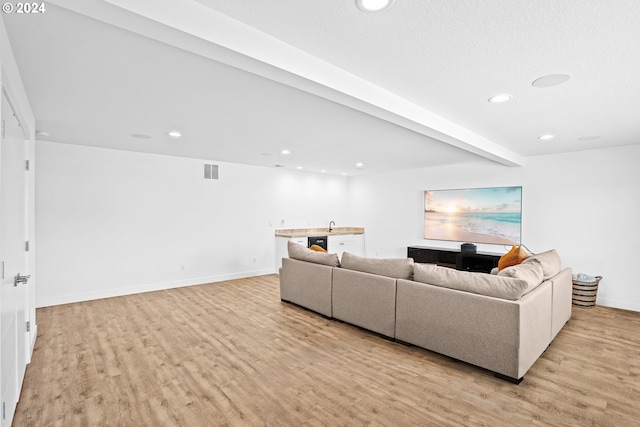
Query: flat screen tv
point(476, 215)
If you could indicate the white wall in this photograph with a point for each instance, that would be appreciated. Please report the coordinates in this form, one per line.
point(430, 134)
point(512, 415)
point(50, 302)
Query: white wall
point(113, 223)
point(585, 204)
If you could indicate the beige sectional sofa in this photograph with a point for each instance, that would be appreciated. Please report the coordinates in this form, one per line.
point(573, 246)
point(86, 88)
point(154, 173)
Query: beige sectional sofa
point(501, 322)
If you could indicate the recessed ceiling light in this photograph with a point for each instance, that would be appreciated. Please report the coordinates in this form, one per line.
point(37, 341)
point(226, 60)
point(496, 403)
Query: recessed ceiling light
point(503, 97)
point(373, 5)
point(551, 80)
point(323, 170)
point(299, 168)
point(546, 137)
point(174, 134)
point(359, 165)
point(285, 152)
point(140, 136)
point(42, 133)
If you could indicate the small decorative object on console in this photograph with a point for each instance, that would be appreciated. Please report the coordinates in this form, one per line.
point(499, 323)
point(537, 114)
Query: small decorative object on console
point(468, 247)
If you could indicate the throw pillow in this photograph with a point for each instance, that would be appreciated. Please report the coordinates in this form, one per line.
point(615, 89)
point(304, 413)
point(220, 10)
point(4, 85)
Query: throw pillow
point(302, 253)
point(317, 248)
point(478, 283)
point(397, 268)
point(550, 261)
point(530, 272)
point(514, 257)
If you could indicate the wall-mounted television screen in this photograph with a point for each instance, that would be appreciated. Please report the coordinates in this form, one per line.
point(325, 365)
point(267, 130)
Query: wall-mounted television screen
point(475, 215)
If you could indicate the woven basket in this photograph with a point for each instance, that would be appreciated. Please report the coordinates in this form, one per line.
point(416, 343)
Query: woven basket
point(585, 293)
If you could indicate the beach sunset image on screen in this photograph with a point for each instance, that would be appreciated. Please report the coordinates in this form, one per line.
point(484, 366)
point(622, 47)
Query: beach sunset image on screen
point(478, 215)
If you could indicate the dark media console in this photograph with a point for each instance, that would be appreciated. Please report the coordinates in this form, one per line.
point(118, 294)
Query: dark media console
point(466, 261)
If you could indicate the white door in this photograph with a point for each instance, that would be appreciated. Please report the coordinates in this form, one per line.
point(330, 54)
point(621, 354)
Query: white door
point(13, 258)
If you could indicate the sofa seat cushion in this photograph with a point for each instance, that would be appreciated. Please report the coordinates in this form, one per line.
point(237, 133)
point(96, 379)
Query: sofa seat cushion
point(550, 261)
point(301, 253)
point(397, 268)
point(504, 287)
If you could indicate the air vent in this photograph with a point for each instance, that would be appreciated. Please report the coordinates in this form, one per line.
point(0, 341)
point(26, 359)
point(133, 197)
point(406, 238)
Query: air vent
point(210, 171)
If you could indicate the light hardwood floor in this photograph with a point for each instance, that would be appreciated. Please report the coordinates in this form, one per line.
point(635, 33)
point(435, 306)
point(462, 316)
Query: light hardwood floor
point(233, 354)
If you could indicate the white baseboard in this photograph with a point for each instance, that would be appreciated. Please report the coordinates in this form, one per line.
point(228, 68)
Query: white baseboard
point(137, 289)
point(32, 340)
point(624, 305)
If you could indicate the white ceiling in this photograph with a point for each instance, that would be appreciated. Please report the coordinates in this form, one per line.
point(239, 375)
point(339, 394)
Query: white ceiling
point(400, 89)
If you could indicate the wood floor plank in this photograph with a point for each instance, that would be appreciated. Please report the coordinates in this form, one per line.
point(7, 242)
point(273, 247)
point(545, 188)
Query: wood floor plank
point(232, 354)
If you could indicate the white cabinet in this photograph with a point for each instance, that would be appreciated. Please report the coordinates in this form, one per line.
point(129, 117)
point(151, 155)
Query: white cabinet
point(336, 244)
point(340, 243)
point(300, 240)
point(352, 243)
point(358, 245)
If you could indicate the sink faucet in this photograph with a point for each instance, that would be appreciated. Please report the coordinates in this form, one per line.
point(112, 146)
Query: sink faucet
point(330, 228)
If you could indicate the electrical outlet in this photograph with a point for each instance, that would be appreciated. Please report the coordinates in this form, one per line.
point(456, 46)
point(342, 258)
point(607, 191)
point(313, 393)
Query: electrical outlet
point(182, 267)
point(254, 260)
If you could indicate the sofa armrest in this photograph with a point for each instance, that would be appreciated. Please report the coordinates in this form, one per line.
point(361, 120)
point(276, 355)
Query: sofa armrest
point(535, 325)
point(562, 285)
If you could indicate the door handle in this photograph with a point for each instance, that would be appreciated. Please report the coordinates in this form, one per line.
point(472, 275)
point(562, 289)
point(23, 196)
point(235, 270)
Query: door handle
point(20, 279)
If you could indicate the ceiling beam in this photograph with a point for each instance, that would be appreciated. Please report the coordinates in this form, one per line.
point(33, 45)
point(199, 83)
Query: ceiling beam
point(192, 26)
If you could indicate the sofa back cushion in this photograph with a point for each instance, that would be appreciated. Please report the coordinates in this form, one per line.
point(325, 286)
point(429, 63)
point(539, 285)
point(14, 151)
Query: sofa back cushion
point(550, 261)
point(301, 253)
point(397, 268)
point(509, 288)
